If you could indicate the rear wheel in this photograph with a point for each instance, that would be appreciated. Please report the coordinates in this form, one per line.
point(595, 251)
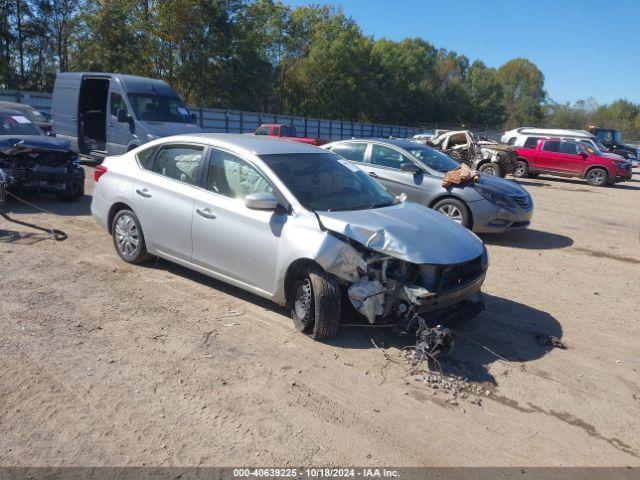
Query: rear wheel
point(128, 239)
point(315, 303)
point(455, 209)
point(490, 168)
point(521, 170)
point(597, 177)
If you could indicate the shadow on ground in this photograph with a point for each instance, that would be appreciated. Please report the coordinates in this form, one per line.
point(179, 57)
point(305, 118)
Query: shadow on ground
point(581, 185)
point(528, 238)
point(34, 203)
point(514, 331)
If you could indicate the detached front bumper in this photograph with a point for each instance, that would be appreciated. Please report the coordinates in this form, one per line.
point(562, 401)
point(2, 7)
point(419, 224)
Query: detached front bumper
point(490, 218)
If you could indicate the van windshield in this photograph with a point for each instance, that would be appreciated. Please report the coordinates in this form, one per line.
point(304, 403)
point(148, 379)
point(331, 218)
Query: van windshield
point(156, 108)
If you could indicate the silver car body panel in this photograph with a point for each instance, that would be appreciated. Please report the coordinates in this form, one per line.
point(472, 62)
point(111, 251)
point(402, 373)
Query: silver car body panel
point(254, 249)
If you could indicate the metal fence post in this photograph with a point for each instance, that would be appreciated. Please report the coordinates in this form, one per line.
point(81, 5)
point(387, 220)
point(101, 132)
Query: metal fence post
point(201, 117)
point(226, 121)
point(330, 129)
point(341, 130)
point(241, 123)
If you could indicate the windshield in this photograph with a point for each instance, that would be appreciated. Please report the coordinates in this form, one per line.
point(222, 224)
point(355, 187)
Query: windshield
point(432, 158)
point(17, 124)
point(617, 138)
point(591, 147)
point(156, 108)
point(327, 182)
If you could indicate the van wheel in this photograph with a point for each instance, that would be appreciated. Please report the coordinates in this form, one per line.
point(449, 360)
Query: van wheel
point(315, 303)
point(455, 209)
point(597, 177)
point(521, 170)
point(490, 168)
point(128, 239)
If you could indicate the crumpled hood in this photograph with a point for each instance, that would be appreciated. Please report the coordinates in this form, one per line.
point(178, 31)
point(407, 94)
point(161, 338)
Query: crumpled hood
point(13, 144)
point(501, 186)
point(164, 129)
point(407, 231)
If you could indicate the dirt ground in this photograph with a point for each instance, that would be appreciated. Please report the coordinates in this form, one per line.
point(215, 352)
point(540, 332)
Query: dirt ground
point(102, 363)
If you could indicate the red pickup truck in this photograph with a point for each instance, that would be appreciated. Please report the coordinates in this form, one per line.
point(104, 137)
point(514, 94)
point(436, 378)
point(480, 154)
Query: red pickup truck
point(568, 158)
point(286, 132)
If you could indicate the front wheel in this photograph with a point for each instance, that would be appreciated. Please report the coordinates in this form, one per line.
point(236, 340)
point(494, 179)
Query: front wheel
point(128, 239)
point(597, 177)
point(490, 168)
point(315, 303)
point(455, 209)
point(521, 170)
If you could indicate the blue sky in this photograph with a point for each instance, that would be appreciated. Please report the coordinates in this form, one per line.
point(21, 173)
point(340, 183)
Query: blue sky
point(585, 48)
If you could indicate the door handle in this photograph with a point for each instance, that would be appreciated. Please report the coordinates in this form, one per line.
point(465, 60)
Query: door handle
point(206, 213)
point(143, 192)
point(373, 174)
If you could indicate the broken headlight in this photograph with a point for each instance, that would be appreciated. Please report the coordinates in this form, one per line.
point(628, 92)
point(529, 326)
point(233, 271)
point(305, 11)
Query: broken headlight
point(494, 197)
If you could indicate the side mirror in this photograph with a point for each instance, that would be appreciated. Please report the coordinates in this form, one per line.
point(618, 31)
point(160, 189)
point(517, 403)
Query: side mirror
point(584, 155)
point(261, 201)
point(49, 133)
point(410, 167)
point(122, 116)
point(194, 118)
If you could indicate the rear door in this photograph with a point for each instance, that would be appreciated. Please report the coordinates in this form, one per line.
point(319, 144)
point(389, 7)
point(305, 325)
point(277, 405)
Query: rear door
point(66, 92)
point(164, 197)
point(384, 165)
point(118, 133)
point(549, 157)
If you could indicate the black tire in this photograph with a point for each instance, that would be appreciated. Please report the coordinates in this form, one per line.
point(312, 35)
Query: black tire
point(315, 303)
point(450, 207)
point(128, 239)
point(597, 177)
point(521, 170)
point(490, 168)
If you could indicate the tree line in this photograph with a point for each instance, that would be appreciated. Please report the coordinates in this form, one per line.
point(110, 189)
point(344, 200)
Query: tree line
point(263, 55)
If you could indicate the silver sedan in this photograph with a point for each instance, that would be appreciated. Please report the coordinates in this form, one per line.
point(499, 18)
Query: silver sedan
point(289, 222)
point(491, 205)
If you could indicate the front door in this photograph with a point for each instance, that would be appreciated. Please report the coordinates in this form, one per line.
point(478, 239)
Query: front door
point(229, 238)
point(118, 133)
point(572, 161)
point(384, 165)
point(164, 197)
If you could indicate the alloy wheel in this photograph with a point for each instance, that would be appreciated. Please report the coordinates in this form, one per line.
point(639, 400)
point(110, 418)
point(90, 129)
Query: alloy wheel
point(452, 212)
point(597, 177)
point(127, 235)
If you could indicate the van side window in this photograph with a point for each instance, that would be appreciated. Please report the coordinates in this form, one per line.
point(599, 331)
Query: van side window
point(180, 162)
point(117, 103)
point(551, 146)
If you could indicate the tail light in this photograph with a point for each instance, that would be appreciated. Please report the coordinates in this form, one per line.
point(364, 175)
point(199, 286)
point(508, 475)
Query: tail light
point(98, 172)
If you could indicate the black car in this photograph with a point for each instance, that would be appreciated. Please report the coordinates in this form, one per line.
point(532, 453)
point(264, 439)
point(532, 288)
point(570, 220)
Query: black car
point(30, 160)
point(612, 139)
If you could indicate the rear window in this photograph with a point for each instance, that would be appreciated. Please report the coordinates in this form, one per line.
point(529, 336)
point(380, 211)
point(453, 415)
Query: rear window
point(351, 151)
point(551, 146)
point(145, 157)
point(531, 142)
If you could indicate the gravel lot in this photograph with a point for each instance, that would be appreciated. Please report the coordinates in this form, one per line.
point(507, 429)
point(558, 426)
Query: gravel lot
point(102, 363)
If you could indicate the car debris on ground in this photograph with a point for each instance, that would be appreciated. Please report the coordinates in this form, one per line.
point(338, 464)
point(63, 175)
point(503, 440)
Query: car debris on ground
point(483, 155)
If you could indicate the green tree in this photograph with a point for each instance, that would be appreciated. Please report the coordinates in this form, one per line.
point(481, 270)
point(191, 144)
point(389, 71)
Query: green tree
point(486, 95)
point(523, 85)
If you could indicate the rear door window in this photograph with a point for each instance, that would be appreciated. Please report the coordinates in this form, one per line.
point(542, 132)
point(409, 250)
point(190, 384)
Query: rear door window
point(179, 162)
point(551, 146)
point(351, 151)
point(145, 157)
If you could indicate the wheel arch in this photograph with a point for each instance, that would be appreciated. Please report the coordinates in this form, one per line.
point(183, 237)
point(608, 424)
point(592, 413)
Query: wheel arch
point(293, 271)
point(593, 167)
point(444, 196)
point(113, 210)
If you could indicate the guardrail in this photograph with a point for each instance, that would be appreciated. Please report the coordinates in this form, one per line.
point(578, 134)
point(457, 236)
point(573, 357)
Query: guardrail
point(237, 121)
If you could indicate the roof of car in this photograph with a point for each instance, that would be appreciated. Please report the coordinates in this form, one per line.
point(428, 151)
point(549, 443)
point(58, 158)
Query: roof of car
point(256, 144)
point(397, 142)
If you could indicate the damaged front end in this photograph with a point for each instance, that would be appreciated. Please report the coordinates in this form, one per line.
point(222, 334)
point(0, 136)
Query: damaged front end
point(389, 284)
point(40, 165)
point(503, 155)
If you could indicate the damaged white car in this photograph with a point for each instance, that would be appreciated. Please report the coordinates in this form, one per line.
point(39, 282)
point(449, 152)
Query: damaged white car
point(292, 223)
